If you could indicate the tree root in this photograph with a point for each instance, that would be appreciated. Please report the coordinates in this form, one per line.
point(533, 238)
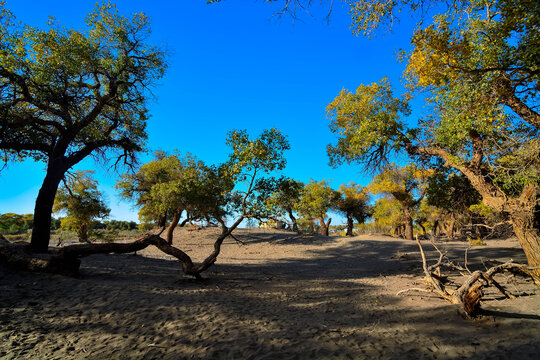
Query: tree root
point(470, 292)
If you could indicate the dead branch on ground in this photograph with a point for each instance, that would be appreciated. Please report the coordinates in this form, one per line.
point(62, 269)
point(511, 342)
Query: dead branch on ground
point(470, 291)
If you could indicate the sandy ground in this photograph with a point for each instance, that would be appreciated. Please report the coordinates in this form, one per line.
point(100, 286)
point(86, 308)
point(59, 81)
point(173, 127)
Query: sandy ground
point(280, 296)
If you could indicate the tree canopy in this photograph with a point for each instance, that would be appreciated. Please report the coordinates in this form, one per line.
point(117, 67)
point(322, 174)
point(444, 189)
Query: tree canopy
point(477, 66)
point(353, 203)
point(67, 94)
point(316, 200)
point(82, 202)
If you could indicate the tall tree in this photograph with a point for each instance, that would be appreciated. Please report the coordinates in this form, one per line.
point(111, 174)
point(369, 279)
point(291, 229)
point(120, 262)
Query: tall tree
point(353, 203)
point(388, 215)
point(284, 200)
point(478, 66)
point(167, 187)
point(82, 202)
point(406, 185)
point(316, 200)
point(66, 94)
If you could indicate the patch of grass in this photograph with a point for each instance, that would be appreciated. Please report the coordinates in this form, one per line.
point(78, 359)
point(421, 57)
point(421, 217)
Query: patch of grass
point(476, 242)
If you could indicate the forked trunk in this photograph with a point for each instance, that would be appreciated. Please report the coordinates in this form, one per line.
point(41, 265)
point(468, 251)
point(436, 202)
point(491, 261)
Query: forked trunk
point(325, 227)
point(41, 231)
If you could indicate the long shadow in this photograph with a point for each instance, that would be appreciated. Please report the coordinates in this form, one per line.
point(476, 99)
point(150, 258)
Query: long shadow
point(326, 306)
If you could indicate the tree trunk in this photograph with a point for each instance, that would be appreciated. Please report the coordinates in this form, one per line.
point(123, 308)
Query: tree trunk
point(41, 231)
point(325, 227)
point(170, 230)
point(436, 229)
point(450, 227)
point(350, 226)
point(293, 220)
point(528, 236)
point(408, 222)
point(162, 221)
point(83, 233)
point(423, 228)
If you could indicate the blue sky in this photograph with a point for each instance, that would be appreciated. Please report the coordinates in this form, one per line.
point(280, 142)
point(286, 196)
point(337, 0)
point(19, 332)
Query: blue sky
point(231, 66)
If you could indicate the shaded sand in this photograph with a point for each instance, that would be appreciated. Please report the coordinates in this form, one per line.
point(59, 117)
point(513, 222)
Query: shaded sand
point(278, 297)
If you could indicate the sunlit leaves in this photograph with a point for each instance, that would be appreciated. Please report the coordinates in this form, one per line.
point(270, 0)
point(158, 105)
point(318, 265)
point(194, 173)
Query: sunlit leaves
point(317, 198)
point(404, 184)
point(368, 124)
point(81, 201)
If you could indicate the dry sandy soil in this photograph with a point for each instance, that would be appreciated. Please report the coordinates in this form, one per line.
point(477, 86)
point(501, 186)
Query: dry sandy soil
point(280, 296)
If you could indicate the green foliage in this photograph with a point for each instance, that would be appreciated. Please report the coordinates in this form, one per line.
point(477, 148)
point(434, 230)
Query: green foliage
point(72, 92)
point(317, 199)
point(451, 192)
point(405, 184)
point(475, 65)
point(173, 183)
point(285, 198)
point(82, 202)
point(353, 202)
point(387, 213)
point(368, 125)
point(12, 224)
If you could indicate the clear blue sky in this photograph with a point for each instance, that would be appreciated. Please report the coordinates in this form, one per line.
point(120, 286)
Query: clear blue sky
point(231, 66)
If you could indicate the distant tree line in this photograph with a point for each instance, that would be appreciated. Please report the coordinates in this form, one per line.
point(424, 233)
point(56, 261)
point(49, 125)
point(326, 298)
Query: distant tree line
point(12, 224)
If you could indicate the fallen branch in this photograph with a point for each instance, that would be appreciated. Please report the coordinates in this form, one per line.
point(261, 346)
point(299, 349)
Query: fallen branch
point(67, 260)
point(470, 292)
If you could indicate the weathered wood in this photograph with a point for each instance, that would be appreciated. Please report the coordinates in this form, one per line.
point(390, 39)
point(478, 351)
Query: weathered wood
point(470, 292)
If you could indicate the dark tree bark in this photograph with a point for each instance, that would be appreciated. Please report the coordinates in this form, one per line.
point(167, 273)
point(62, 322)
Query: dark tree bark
point(293, 220)
point(41, 230)
point(350, 225)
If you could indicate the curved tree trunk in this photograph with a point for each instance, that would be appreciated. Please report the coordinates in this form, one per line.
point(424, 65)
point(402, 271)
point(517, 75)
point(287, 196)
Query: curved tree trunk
point(41, 231)
point(408, 222)
point(350, 226)
point(174, 222)
point(293, 220)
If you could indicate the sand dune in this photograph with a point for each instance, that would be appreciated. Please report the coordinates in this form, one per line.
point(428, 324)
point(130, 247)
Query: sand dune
point(280, 296)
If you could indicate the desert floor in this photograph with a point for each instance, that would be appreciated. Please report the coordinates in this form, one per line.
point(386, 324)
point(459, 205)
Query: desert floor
point(279, 296)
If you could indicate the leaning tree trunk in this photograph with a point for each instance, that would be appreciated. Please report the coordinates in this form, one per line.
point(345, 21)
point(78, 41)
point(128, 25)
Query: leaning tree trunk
point(350, 226)
point(174, 222)
point(325, 227)
point(41, 230)
point(529, 238)
point(408, 222)
point(293, 220)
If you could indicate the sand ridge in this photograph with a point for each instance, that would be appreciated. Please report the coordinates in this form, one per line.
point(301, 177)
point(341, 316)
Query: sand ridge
point(280, 296)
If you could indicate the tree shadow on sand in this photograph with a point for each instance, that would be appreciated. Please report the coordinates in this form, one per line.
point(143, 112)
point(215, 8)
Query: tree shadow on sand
point(335, 304)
